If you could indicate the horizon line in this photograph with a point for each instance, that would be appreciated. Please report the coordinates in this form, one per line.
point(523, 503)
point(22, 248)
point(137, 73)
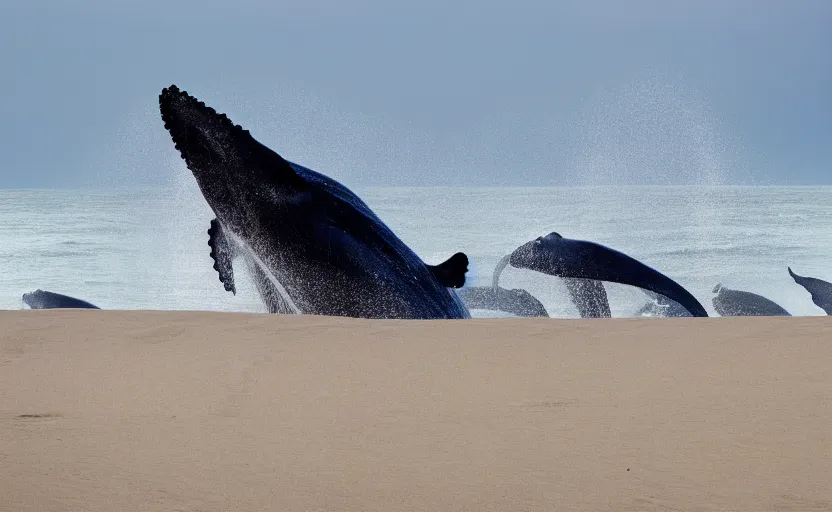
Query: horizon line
point(480, 187)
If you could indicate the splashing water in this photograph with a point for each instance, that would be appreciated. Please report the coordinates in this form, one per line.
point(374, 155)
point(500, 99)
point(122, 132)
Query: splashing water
point(656, 132)
point(148, 248)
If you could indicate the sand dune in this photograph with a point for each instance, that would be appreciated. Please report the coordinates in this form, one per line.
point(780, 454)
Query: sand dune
point(164, 411)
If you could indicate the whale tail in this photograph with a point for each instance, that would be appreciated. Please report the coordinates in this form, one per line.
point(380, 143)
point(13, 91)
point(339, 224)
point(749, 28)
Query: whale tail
point(801, 280)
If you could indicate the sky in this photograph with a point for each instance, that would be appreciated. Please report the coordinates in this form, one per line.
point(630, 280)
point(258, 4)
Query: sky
point(480, 93)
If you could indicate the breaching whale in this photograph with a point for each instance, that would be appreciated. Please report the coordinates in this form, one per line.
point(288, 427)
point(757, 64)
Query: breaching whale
point(580, 259)
point(316, 245)
point(728, 302)
point(40, 299)
point(821, 290)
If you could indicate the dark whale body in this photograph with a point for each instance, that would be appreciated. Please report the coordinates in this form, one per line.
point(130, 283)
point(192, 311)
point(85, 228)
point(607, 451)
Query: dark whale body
point(316, 247)
point(40, 299)
point(516, 301)
point(820, 290)
point(579, 259)
point(728, 302)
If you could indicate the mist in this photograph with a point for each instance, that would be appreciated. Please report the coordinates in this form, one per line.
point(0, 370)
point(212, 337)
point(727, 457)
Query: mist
point(429, 93)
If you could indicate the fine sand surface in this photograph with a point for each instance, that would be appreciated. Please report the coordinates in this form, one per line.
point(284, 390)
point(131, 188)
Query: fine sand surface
point(164, 411)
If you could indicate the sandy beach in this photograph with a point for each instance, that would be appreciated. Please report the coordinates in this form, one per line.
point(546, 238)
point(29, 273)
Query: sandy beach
point(164, 411)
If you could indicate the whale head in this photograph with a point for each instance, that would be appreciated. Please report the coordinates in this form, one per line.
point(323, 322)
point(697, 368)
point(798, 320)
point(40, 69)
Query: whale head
point(539, 254)
point(33, 299)
point(236, 174)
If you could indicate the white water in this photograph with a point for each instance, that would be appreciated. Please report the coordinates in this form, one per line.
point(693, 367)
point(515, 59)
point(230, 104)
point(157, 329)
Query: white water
point(147, 248)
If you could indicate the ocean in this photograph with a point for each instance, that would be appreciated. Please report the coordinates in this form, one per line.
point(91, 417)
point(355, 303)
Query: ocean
point(146, 248)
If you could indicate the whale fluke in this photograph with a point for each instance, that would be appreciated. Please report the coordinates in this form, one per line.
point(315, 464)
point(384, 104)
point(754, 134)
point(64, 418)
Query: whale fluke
point(820, 290)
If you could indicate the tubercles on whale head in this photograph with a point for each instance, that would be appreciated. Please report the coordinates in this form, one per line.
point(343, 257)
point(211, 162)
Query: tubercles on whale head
point(230, 166)
point(32, 295)
point(32, 299)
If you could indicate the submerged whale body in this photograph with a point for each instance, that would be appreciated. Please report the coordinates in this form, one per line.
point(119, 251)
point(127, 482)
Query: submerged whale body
point(516, 301)
point(587, 295)
point(579, 259)
point(728, 302)
point(40, 299)
point(316, 247)
point(659, 305)
point(820, 290)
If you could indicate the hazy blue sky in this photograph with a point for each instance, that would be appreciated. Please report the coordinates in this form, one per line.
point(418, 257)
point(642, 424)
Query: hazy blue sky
point(428, 92)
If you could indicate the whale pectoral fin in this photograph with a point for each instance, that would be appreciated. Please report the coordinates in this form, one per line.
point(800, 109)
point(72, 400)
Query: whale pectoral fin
point(451, 272)
point(222, 252)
